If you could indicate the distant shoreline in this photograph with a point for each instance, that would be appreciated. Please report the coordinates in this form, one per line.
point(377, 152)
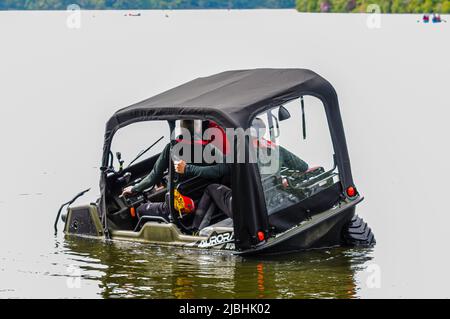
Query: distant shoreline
point(218, 9)
point(164, 9)
point(316, 6)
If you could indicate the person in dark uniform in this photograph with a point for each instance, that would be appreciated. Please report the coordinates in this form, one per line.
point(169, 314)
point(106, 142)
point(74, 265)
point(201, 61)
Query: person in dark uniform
point(161, 209)
point(219, 197)
point(216, 196)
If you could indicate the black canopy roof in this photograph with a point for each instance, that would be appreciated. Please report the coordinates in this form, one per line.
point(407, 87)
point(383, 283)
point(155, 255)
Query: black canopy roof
point(231, 96)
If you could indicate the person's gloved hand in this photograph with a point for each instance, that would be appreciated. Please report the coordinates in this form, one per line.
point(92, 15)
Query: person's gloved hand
point(285, 182)
point(180, 166)
point(127, 191)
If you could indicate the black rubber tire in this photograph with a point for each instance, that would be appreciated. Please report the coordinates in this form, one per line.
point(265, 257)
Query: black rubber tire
point(358, 234)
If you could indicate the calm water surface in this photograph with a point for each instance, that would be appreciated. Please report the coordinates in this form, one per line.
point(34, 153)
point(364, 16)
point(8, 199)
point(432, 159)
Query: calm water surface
point(36, 264)
point(59, 86)
point(136, 271)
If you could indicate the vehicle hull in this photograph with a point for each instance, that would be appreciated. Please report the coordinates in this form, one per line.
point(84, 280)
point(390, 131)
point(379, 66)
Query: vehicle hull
point(320, 231)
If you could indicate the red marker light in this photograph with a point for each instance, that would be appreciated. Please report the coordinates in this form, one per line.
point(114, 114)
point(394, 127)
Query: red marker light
point(351, 191)
point(261, 236)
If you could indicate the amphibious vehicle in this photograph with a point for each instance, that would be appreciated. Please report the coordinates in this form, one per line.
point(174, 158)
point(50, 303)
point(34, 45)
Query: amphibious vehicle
point(280, 211)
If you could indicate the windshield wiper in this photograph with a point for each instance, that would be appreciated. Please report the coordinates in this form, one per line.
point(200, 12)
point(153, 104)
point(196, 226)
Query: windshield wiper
point(144, 151)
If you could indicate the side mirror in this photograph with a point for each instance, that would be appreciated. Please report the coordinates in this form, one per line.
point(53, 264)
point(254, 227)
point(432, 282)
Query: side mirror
point(283, 114)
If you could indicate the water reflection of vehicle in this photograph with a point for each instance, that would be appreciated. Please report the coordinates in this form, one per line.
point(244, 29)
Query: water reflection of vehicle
point(278, 210)
point(142, 271)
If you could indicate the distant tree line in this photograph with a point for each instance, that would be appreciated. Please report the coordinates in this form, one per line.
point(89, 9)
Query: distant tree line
point(386, 6)
point(144, 4)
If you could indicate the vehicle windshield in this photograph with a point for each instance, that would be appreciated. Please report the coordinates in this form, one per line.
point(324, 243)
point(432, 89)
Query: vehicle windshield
point(295, 152)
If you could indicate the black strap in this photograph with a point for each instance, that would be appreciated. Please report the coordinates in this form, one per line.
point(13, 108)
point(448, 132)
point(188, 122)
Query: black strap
point(303, 117)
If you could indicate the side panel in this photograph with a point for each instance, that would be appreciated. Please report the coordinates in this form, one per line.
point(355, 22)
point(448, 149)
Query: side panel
point(320, 231)
point(83, 220)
